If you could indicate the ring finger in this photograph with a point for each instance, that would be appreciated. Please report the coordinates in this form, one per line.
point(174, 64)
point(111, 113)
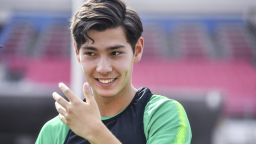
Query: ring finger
point(60, 109)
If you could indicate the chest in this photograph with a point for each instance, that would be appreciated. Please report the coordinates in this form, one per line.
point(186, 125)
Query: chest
point(127, 127)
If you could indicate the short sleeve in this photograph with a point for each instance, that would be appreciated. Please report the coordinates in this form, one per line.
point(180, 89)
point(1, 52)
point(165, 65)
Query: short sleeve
point(53, 132)
point(166, 122)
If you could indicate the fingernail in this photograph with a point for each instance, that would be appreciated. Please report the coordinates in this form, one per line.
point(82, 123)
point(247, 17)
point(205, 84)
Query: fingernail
point(61, 84)
point(54, 95)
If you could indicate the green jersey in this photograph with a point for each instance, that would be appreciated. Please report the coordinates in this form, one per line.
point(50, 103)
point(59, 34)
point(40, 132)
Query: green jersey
point(151, 119)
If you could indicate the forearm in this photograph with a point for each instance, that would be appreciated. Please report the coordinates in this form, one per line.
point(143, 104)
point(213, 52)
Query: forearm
point(102, 135)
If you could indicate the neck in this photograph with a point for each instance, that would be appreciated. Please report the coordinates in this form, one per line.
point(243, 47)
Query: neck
point(110, 106)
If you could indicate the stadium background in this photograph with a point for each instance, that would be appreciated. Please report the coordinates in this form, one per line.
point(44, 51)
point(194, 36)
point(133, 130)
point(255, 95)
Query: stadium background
point(200, 52)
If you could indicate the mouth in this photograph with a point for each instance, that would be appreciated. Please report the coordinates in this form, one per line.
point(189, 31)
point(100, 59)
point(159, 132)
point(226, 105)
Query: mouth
point(106, 80)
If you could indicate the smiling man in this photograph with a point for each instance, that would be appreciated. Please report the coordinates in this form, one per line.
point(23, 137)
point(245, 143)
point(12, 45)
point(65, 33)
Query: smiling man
point(108, 42)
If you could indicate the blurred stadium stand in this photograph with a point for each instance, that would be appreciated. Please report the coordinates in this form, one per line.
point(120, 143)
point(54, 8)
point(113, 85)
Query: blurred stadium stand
point(206, 62)
point(22, 115)
point(204, 110)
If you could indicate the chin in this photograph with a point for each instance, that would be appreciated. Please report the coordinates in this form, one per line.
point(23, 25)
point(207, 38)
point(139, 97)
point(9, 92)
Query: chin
point(105, 92)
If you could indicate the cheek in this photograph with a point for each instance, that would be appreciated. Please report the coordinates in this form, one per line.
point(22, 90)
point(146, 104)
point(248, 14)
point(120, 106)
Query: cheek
point(86, 68)
point(124, 67)
point(86, 72)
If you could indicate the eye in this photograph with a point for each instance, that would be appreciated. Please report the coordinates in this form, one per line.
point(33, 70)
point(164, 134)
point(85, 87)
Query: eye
point(89, 53)
point(116, 53)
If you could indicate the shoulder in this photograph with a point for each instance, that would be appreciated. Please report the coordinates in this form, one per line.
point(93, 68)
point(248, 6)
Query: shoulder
point(53, 131)
point(158, 105)
point(166, 120)
point(54, 122)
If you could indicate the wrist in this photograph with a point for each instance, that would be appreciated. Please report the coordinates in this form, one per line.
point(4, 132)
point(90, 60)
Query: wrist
point(101, 134)
point(95, 130)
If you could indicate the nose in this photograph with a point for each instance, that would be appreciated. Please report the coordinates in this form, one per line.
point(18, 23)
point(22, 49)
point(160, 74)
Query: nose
point(104, 66)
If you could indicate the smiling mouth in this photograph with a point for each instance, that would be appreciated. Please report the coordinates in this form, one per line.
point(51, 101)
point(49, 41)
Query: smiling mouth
point(106, 81)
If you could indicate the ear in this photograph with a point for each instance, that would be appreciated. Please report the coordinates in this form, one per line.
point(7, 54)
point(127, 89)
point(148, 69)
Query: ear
point(76, 51)
point(138, 50)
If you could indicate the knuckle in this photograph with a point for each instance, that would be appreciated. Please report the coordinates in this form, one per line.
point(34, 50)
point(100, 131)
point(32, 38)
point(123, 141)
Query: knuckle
point(69, 110)
point(66, 91)
point(76, 102)
point(68, 121)
point(59, 109)
point(58, 99)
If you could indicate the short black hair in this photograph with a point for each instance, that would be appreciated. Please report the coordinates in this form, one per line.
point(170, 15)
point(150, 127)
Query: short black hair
point(105, 14)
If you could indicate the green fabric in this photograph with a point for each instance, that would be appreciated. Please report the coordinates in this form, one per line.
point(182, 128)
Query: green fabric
point(106, 117)
point(166, 122)
point(53, 132)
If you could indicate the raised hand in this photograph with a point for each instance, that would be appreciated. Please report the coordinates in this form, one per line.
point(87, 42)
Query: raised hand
point(83, 117)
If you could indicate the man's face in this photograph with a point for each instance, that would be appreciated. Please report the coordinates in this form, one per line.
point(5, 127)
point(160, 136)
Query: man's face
point(107, 63)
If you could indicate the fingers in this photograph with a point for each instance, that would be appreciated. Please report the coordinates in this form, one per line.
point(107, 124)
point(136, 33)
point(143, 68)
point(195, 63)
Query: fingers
point(67, 92)
point(88, 93)
point(60, 109)
point(59, 99)
point(62, 118)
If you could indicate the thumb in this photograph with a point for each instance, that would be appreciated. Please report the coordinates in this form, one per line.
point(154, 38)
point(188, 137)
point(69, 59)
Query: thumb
point(88, 93)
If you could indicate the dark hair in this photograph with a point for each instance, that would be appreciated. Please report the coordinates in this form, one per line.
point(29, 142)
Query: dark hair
point(104, 14)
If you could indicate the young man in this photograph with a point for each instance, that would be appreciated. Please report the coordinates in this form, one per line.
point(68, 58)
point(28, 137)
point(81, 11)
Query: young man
point(107, 40)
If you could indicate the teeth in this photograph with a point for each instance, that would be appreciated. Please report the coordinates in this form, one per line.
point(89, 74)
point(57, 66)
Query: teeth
point(106, 81)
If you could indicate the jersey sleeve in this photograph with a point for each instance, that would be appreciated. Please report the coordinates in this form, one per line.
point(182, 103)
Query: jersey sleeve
point(166, 122)
point(53, 132)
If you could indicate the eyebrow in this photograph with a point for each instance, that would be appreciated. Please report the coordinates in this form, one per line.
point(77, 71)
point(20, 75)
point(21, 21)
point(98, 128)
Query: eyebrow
point(115, 47)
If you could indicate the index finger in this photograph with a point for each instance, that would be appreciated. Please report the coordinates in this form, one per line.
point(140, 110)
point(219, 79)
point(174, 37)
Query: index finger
point(67, 92)
point(88, 93)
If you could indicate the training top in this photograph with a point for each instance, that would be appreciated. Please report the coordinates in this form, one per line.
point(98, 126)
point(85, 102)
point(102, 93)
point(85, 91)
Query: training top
point(148, 119)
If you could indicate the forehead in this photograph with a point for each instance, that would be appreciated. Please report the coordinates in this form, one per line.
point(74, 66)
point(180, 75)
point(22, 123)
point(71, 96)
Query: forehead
point(109, 36)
